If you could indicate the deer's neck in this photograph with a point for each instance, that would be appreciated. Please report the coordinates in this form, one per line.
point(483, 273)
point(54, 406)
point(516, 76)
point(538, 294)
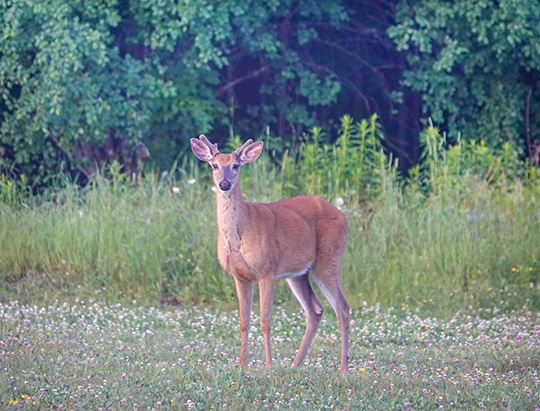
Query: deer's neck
point(231, 215)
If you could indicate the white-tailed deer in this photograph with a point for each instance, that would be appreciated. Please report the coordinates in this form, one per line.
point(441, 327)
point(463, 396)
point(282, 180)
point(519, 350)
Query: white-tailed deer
point(266, 242)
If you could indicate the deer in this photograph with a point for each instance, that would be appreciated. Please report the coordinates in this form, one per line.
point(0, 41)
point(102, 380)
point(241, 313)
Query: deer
point(287, 239)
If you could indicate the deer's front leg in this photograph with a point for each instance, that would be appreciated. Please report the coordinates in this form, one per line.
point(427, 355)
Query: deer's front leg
point(244, 291)
point(266, 292)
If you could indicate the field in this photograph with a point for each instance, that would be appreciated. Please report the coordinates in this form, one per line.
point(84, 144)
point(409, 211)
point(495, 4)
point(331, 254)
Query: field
point(111, 296)
point(94, 356)
point(111, 293)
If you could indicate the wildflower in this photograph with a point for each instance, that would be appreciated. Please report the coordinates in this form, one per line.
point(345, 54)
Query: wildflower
point(80, 214)
point(339, 202)
point(192, 181)
point(176, 190)
point(214, 189)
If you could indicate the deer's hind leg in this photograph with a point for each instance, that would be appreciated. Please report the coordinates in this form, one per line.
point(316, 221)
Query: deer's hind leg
point(302, 290)
point(327, 272)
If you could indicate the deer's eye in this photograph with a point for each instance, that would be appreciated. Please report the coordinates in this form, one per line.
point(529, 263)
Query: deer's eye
point(214, 166)
point(235, 167)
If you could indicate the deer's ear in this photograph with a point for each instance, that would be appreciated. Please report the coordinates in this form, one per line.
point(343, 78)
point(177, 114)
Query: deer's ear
point(251, 152)
point(201, 150)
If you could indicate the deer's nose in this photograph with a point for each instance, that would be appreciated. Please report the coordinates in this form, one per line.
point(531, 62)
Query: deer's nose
point(225, 185)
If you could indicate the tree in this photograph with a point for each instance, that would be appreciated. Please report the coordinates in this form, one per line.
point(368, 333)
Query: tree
point(332, 59)
point(84, 83)
point(69, 96)
point(253, 51)
point(477, 65)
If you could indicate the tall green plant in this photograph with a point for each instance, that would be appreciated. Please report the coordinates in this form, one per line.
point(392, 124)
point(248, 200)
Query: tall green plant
point(311, 167)
point(14, 192)
point(355, 164)
point(443, 164)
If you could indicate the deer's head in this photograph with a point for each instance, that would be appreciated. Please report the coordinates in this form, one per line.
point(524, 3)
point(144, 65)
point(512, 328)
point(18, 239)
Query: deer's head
point(225, 167)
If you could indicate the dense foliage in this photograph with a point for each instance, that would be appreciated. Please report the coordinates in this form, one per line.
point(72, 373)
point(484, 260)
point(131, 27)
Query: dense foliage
point(85, 83)
point(477, 65)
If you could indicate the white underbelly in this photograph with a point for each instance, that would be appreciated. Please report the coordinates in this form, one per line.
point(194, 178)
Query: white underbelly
point(294, 274)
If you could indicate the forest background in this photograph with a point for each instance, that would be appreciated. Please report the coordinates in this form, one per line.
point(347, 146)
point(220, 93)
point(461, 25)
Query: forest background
point(85, 83)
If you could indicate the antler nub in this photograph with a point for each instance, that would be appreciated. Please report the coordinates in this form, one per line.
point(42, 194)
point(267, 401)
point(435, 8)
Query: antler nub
point(239, 150)
point(213, 147)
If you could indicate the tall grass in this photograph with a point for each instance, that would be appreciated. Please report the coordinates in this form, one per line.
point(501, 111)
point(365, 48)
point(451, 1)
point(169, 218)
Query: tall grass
point(115, 239)
point(462, 228)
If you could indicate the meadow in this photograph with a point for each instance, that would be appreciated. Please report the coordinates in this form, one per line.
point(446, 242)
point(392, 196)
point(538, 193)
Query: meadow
point(111, 296)
point(79, 356)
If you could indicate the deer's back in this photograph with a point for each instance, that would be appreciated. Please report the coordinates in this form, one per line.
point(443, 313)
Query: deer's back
point(311, 208)
point(284, 237)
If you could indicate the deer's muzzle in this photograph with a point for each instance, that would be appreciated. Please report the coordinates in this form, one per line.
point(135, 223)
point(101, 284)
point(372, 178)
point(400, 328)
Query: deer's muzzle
point(225, 185)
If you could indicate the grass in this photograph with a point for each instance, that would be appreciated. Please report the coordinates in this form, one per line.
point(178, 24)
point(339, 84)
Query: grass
point(95, 356)
point(111, 296)
point(111, 240)
point(155, 241)
point(460, 230)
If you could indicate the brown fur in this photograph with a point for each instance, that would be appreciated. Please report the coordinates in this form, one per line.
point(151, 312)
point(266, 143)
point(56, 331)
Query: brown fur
point(286, 239)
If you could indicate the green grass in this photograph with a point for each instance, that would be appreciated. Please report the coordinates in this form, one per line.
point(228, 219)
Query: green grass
point(92, 356)
point(461, 229)
point(441, 270)
point(156, 241)
point(112, 241)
